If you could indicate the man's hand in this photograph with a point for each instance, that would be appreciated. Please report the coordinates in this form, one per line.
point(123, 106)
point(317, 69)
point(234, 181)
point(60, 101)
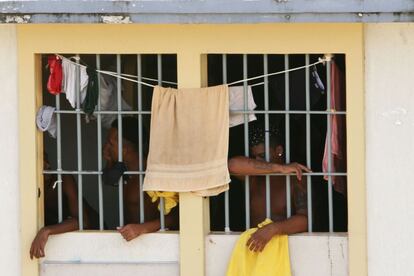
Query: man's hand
point(38, 245)
point(261, 237)
point(294, 168)
point(131, 231)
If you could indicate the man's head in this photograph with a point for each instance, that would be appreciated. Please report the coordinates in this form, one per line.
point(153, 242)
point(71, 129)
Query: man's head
point(129, 140)
point(257, 136)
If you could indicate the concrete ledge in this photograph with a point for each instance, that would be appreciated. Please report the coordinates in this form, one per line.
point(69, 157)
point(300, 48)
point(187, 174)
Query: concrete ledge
point(97, 253)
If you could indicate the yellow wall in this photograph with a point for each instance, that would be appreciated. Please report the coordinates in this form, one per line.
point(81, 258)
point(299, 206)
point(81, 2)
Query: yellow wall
point(190, 42)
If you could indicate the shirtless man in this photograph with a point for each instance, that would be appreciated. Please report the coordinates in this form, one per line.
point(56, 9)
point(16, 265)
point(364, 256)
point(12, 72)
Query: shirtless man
point(130, 158)
point(69, 210)
point(256, 166)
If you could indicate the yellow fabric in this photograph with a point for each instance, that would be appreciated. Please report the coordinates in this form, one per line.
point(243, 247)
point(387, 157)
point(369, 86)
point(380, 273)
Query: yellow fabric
point(170, 200)
point(272, 261)
point(189, 141)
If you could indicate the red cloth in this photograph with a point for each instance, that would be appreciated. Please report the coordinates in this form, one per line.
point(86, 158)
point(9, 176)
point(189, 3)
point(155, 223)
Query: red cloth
point(338, 132)
point(54, 83)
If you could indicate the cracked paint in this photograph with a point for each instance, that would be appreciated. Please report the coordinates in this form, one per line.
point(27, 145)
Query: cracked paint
point(19, 19)
point(111, 19)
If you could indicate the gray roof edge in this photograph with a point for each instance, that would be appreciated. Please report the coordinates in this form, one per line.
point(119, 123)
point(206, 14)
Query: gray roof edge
point(204, 18)
point(206, 11)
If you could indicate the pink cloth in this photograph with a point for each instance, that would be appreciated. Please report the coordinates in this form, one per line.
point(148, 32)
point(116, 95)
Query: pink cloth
point(338, 132)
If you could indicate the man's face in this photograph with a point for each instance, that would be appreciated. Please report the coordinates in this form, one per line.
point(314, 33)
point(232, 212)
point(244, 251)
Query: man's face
point(110, 148)
point(259, 152)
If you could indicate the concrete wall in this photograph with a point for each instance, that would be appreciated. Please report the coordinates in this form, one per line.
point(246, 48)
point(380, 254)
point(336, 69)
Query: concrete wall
point(390, 147)
point(158, 254)
point(9, 182)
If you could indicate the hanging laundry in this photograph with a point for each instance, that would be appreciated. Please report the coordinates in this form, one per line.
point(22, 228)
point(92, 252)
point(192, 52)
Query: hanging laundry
point(92, 92)
point(338, 135)
point(54, 82)
point(69, 81)
point(297, 89)
point(189, 141)
point(317, 82)
point(46, 120)
point(108, 99)
point(170, 200)
point(272, 261)
point(236, 102)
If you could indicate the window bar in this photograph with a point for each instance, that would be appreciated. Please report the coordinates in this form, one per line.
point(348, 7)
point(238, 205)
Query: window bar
point(308, 146)
point(99, 130)
point(287, 136)
point(79, 143)
point(162, 204)
point(59, 159)
point(140, 147)
point(267, 138)
point(226, 194)
point(329, 131)
point(121, 180)
point(246, 142)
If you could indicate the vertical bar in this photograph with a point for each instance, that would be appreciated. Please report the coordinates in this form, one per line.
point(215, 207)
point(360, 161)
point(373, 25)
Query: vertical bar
point(99, 130)
point(267, 142)
point(59, 159)
point(140, 147)
point(246, 142)
point(329, 132)
point(121, 180)
point(308, 145)
point(287, 138)
point(79, 143)
point(226, 194)
point(159, 72)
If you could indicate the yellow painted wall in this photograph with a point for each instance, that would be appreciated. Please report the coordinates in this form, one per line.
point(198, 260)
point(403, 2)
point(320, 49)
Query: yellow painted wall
point(190, 42)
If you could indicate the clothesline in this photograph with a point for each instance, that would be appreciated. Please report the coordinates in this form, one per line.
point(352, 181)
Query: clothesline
point(129, 77)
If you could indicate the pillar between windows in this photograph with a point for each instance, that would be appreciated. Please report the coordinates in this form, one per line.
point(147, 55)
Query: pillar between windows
point(194, 210)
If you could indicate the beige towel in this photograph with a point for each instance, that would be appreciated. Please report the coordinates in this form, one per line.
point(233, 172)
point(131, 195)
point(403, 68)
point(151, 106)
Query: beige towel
point(189, 141)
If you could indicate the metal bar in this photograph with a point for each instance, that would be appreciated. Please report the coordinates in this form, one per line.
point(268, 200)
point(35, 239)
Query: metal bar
point(99, 134)
point(140, 147)
point(162, 204)
point(246, 144)
point(143, 172)
point(79, 144)
point(121, 180)
point(287, 137)
point(125, 112)
point(232, 111)
point(267, 142)
point(59, 160)
point(226, 194)
point(328, 137)
point(308, 145)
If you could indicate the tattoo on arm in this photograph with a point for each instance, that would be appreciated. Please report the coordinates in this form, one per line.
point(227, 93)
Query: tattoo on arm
point(260, 165)
point(300, 199)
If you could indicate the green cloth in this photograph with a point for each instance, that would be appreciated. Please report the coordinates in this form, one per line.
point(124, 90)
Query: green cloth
point(92, 93)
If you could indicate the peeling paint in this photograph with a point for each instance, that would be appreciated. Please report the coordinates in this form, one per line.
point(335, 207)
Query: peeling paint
point(111, 19)
point(19, 19)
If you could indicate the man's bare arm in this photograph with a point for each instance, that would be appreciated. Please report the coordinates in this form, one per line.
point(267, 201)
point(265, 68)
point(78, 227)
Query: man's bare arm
point(241, 165)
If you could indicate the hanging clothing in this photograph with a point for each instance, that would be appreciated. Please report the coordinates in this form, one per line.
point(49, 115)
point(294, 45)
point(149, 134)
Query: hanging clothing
point(170, 200)
point(54, 82)
point(338, 132)
point(236, 102)
point(272, 261)
point(69, 82)
point(46, 120)
point(92, 92)
point(108, 99)
point(189, 141)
